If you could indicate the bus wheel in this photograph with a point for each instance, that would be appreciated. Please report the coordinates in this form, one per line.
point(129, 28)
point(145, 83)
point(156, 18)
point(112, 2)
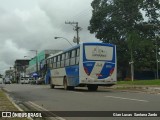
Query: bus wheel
point(92, 87)
point(71, 88)
point(52, 86)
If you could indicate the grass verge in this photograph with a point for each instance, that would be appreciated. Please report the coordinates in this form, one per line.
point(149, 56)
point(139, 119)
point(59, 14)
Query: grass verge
point(140, 82)
point(6, 105)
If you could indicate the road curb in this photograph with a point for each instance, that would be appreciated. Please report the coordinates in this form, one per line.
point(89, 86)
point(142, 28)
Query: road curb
point(40, 108)
point(134, 88)
point(29, 104)
point(148, 89)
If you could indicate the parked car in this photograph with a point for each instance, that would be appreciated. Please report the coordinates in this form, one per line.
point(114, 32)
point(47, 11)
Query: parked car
point(40, 81)
point(7, 80)
point(24, 80)
point(1, 80)
point(31, 80)
point(21, 80)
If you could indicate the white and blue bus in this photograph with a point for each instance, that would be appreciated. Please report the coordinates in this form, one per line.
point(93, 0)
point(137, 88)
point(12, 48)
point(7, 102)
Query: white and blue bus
point(87, 64)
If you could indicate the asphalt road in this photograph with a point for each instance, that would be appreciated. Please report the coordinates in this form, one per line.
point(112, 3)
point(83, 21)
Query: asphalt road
point(83, 100)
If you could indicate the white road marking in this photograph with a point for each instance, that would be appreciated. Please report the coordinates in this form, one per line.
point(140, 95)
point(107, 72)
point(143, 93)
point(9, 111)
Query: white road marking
point(57, 117)
point(127, 98)
point(75, 92)
point(37, 106)
point(12, 101)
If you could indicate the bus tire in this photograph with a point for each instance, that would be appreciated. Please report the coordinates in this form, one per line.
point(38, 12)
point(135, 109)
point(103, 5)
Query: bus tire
point(92, 87)
point(52, 86)
point(70, 87)
point(50, 82)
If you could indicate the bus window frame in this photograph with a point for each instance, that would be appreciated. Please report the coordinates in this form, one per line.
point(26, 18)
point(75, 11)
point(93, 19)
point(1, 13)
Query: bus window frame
point(73, 57)
point(67, 59)
point(54, 62)
point(58, 61)
point(50, 63)
point(77, 55)
point(62, 60)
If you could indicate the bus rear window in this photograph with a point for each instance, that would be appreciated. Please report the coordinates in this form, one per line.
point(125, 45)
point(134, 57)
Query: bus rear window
point(95, 52)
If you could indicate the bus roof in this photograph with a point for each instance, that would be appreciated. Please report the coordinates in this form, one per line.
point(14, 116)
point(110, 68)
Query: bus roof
point(98, 43)
point(89, 43)
point(72, 48)
point(52, 55)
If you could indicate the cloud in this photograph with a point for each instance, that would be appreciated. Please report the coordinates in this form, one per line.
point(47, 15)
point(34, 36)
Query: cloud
point(34, 24)
point(9, 52)
point(70, 10)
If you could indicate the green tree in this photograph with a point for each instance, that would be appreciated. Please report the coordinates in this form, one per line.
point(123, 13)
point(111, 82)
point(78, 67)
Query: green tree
point(122, 22)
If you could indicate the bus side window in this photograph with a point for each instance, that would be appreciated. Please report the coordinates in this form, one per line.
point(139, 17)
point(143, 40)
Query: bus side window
point(62, 60)
point(67, 58)
point(73, 55)
point(77, 56)
point(58, 61)
point(50, 62)
point(54, 62)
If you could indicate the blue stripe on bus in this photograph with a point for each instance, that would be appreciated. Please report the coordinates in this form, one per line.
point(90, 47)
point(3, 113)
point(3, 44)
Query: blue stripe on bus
point(106, 70)
point(96, 43)
point(47, 76)
point(72, 73)
point(89, 66)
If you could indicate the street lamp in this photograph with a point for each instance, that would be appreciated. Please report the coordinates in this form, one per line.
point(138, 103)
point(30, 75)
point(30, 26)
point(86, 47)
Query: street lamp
point(36, 60)
point(27, 57)
point(64, 39)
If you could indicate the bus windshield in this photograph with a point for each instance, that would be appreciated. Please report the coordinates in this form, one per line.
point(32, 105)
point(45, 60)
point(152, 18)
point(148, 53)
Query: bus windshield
point(97, 52)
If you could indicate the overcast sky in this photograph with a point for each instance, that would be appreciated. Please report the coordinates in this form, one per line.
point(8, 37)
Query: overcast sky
point(32, 24)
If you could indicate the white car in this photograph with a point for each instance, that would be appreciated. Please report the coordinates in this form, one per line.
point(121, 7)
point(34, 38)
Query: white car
point(1, 80)
point(7, 80)
point(25, 80)
point(21, 80)
point(31, 80)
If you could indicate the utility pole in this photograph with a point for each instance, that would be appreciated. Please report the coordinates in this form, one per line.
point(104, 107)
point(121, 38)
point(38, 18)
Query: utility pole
point(157, 60)
point(76, 29)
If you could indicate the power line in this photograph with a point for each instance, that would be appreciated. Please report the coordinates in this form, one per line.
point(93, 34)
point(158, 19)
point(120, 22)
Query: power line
point(82, 13)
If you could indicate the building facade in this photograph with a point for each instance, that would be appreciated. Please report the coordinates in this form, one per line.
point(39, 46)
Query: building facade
point(38, 65)
point(20, 66)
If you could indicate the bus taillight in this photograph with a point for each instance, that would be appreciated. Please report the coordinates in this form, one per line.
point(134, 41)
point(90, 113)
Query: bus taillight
point(111, 71)
point(86, 70)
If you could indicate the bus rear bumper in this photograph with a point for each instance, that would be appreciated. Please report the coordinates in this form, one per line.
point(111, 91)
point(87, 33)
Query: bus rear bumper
point(109, 83)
